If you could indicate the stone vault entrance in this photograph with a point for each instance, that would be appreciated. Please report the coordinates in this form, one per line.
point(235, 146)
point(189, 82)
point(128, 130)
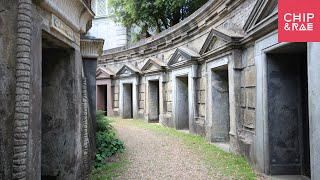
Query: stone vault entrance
point(154, 101)
point(182, 106)
point(57, 110)
point(220, 104)
point(102, 92)
point(288, 119)
point(127, 101)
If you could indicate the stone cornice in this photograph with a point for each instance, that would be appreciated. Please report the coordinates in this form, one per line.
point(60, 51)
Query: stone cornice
point(91, 48)
point(202, 19)
point(75, 13)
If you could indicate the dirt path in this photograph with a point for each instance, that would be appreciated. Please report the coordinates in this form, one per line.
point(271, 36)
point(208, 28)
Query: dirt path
point(156, 156)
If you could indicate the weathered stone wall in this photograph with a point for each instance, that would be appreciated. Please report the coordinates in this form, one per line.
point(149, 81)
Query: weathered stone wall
point(248, 100)
point(163, 46)
point(26, 33)
point(142, 97)
point(229, 36)
point(8, 49)
point(201, 99)
point(168, 102)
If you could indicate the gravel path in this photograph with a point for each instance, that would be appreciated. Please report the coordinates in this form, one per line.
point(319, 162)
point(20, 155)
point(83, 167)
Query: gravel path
point(156, 156)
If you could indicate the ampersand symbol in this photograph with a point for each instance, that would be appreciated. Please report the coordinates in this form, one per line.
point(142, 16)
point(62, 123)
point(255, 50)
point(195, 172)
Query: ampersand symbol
point(286, 27)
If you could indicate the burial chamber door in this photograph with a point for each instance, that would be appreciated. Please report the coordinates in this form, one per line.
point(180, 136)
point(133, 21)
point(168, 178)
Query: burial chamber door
point(288, 121)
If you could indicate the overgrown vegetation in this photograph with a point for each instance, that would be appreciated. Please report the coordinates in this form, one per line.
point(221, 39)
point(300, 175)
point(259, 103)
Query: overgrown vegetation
point(221, 164)
point(154, 14)
point(106, 140)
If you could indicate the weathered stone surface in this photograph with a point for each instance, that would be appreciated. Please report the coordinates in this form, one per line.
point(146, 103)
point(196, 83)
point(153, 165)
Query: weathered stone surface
point(251, 97)
point(169, 106)
point(141, 104)
point(203, 97)
point(250, 76)
point(249, 118)
point(250, 56)
point(169, 97)
point(142, 88)
point(169, 86)
point(202, 83)
point(116, 98)
point(202, 110)
point(116, 89)
point(142, 95)
point(116, 104)
point(243, 97)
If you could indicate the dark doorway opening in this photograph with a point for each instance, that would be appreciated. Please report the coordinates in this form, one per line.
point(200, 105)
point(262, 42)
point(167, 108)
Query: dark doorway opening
point(57, 110)
point(154, 101)
point(182, 103)
point(127, 101)
point(220, 104)
point(288, 120)
point(103, 98)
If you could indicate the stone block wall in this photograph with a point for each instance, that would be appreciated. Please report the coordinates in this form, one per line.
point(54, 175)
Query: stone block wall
point(141, 94)
point(201, 100)
point(248, 89)
point(247, 103)
point(115, 92)
point(8, 49)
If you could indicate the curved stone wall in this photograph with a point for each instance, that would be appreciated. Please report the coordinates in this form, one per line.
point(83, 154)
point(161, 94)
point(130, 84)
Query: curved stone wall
point(208, 40)
point(210, 72)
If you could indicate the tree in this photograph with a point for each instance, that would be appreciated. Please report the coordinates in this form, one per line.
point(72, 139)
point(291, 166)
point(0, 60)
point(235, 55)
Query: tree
point(157, 14)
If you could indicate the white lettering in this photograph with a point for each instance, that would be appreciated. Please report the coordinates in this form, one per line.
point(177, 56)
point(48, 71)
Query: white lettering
point(285, 17)
point(310, 26)
point(310, 16)
point(296, 17)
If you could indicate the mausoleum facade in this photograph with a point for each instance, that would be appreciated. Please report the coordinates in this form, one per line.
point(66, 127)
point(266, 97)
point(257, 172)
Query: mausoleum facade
point(221, 73)
point(47, 89)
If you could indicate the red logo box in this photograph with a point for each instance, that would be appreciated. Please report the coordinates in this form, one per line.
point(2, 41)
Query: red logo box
point(299, 20)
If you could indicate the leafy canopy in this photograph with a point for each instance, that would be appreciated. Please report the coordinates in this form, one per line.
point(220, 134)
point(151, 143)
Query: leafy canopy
point(156, 14)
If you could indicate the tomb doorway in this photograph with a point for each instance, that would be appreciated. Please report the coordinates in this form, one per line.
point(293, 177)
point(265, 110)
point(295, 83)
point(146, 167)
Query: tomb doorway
point(127, 101)
point(57, 108)
point(288, 118)
point(182, 105)
point(154, 101)
point(220, 104)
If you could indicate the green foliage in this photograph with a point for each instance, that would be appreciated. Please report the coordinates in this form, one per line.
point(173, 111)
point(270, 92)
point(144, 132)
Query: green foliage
point(157, 14)
point(106, 140)
point(103, 123)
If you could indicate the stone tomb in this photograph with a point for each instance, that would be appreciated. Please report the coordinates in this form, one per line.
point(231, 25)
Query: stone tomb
point(182, 107)
point(220, 104)
point(127, 101)
point(57, 110)
point(129, 78)
point(288, 118)
point(104, 90)
point(154, 101)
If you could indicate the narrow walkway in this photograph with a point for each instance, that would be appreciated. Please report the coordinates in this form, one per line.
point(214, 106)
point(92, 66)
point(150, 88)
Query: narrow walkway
point(155, 156)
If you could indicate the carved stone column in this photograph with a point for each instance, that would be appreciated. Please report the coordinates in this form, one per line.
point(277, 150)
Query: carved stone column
point(91, 49)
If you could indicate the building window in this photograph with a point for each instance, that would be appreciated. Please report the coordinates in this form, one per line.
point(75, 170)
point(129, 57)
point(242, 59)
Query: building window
point(100, 7)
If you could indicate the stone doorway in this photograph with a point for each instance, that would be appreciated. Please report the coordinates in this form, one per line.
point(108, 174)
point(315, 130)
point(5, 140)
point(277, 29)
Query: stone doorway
point(103, 98)
point(288, 119)
point(127, 101)
point(182, 103)
point(220, 104)
point(154, 101)
point(58, 110)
